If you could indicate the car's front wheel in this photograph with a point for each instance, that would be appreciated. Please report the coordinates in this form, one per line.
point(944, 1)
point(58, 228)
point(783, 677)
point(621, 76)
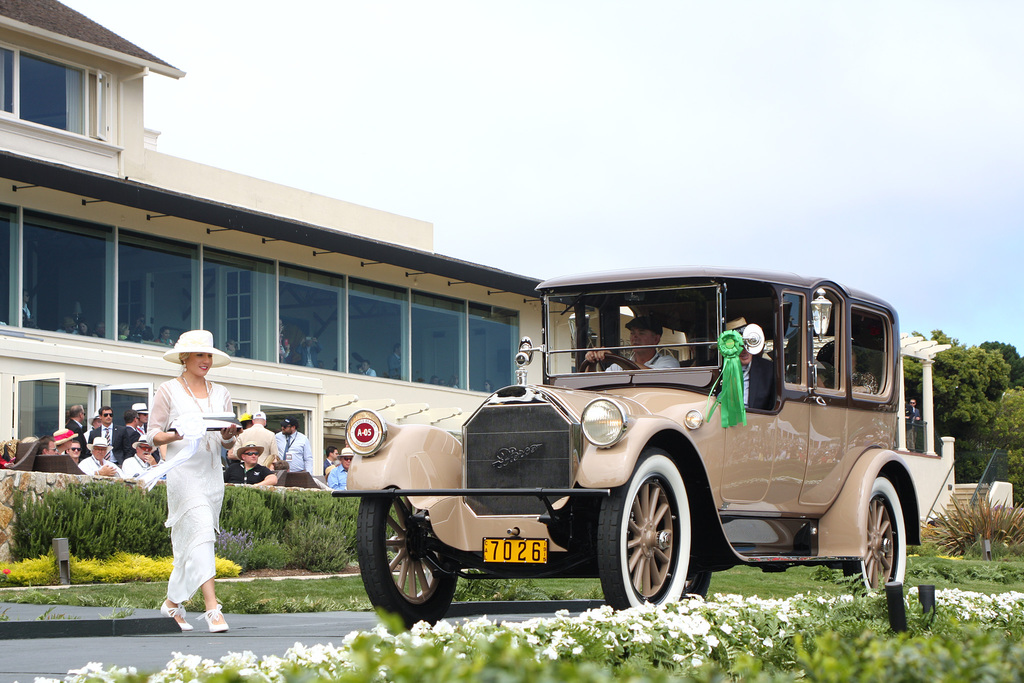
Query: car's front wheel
point(399, 574)
point(643, 539)
point(886, 558)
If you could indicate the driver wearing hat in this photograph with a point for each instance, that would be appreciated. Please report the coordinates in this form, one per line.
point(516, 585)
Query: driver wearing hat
point(645, 335)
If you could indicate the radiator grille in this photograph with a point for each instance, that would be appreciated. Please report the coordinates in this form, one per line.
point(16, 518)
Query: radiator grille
point(517, 446)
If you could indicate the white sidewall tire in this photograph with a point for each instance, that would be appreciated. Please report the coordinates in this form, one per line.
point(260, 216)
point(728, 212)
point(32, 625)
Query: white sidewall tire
point(659, 466)
point(884, 487)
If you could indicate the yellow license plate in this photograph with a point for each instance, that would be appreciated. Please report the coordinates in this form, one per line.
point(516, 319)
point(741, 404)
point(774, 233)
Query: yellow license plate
point(520, 550)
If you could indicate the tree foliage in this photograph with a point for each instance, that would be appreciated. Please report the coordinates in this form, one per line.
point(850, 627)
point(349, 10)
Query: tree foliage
point(1012, 358)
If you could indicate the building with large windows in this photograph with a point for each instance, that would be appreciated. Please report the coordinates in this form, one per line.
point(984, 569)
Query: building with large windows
point(112, 249)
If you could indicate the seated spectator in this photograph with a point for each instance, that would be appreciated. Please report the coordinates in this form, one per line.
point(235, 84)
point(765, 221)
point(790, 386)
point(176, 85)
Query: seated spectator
point(338, 478)
point(249, 471)
point(99, 463)
point(165, 337)
point(140, 332)
point(122, 332)
point(70, 326)
point(64, 440)
point(138, 464)
point(49, 445)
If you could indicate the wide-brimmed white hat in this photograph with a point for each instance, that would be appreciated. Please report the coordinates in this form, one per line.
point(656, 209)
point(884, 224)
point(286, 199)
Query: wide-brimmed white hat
point(197, 341)
point(99, 442)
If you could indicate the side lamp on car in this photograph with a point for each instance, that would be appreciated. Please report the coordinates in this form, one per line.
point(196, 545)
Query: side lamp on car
point(366, 432)
point(604, 422)
point(693, 420)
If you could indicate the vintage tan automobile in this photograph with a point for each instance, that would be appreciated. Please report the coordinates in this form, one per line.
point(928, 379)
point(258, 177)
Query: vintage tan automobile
point(619, 467)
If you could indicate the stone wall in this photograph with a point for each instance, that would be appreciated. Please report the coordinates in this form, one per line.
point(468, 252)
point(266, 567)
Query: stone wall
point(34, 485)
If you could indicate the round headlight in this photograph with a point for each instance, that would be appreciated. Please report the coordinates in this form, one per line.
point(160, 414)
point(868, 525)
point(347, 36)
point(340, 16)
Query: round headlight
point(604, 422)
point(693, 419)
point(366, 432)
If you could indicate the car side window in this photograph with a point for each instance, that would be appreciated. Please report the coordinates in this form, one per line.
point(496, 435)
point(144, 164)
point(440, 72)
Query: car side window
point(828, 323)
point(868, 335)
point(794, 338)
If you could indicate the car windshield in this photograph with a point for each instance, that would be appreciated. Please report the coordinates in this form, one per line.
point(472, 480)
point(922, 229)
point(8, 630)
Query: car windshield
point(656, 329)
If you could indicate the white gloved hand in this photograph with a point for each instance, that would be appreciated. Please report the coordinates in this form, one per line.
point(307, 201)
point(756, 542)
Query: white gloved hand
point(190, 426)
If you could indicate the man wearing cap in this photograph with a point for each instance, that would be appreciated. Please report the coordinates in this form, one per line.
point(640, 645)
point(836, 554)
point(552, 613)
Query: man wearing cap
point(143, 411)
point(294, 448)
point(99, 463)
point(141, 460)
point(249, 471)
point(644, 333)
point(261, 436)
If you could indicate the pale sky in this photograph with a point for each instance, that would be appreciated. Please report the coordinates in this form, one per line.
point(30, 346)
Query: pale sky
point(878, 144)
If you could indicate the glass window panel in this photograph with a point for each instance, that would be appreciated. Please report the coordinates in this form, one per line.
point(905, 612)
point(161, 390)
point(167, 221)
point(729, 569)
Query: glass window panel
point(158, 297)
point(438, 340)
point(310, 314)
point(828, 355)
point(794, 337)
point(493, 337)
point(38, 407)
point(376, 323)
point(9, 299)
point(71, 300)
point(7, 80)
point(51, 94)
point(869, 332)
point(233, 284)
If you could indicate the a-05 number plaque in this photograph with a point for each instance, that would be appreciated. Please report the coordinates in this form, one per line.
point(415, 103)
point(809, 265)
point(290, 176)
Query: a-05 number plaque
point(519, 550)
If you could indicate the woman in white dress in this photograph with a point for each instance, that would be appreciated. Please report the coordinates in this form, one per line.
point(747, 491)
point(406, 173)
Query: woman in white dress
point(195, 488)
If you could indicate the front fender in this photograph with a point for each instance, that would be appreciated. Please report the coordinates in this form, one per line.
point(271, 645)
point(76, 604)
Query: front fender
point(842, 530)
point(414, 456)
point(610, 467)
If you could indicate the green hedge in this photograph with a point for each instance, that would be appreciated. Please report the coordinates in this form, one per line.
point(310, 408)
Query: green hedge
point(303, 529)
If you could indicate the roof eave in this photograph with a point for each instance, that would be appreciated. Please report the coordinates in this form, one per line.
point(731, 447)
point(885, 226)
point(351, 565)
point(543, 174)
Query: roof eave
point(91, 48)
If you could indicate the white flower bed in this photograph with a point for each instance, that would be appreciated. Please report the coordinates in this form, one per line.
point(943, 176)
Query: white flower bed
point(687, 634)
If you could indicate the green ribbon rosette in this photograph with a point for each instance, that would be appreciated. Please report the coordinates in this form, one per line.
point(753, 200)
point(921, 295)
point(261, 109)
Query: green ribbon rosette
point(730, 398)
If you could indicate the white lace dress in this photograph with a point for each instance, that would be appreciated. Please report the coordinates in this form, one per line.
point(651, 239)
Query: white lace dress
point(195, 490)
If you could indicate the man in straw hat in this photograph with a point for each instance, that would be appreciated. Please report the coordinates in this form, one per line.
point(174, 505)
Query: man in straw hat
point(99, 464)
point(249, 470)
point(141, 461)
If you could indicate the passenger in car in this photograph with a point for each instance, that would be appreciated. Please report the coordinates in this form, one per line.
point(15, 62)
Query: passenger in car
point(758, 374)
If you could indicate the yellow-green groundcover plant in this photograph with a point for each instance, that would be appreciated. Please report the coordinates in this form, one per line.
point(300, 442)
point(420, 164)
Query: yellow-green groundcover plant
point(119, 568)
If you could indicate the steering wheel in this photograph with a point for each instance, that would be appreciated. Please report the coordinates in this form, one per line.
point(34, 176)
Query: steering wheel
point(609, 359)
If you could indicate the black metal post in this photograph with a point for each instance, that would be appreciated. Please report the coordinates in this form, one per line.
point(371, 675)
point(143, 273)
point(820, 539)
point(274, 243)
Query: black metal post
point(926, 595)
point(897, 609)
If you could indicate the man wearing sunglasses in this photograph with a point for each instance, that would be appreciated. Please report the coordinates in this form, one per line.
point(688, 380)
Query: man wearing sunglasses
point(338, 478)
point(248, 470)
point(114, 434)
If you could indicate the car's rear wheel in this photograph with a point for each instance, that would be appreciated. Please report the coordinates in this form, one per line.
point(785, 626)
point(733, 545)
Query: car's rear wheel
point(643, 538)
point(399, 574)
point(886, 558)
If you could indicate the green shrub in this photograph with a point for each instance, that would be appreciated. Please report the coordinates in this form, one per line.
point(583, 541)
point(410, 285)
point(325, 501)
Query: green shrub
point(253, 511)
point(98, 519)
point(101, 519)
point(316, 545)
point(268, 554)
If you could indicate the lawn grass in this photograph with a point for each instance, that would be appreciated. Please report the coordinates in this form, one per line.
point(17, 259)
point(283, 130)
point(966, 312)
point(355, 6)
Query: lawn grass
point(266, 596)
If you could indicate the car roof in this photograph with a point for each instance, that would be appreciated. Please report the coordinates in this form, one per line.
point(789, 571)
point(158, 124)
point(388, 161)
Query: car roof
point(668, 274)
